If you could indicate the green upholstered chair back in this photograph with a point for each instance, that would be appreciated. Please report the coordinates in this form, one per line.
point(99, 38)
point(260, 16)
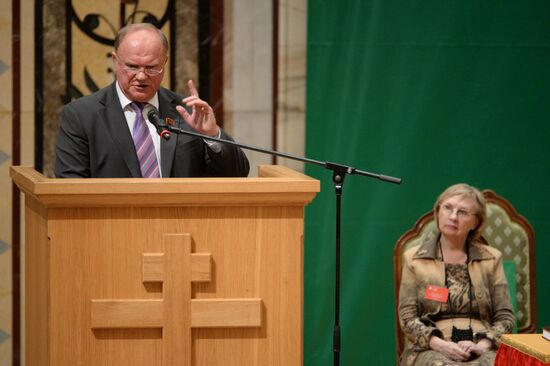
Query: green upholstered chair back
point(505, 230)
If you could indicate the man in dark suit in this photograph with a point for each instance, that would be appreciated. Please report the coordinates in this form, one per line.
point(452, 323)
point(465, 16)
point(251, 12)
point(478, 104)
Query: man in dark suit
point(98, 135)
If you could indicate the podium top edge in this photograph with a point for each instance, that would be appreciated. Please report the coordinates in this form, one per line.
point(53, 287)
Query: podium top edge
point(274, 179)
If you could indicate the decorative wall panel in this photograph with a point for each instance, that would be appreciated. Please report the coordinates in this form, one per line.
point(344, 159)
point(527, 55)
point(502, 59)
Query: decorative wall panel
point(5, 184)
point(77, 41)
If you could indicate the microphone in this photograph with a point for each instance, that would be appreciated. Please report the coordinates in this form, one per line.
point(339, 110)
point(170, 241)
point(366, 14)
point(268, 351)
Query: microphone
point(158, 122)
point(338, 169)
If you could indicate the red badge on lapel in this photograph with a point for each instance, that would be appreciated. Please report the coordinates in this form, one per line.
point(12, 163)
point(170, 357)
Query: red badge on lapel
point(170, 121)
point(437, 293)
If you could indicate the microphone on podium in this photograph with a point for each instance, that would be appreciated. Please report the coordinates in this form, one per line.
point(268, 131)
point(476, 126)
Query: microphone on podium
point(158, 122)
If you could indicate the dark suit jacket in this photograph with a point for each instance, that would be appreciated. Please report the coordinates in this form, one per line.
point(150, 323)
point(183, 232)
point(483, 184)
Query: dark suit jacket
point(94, 141)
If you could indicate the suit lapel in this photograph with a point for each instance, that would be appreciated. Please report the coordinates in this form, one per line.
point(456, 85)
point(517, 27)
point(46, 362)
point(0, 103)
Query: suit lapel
point(115, 123)
point(167, 108)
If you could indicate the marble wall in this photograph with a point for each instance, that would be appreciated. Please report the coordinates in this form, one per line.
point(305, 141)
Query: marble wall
point(291, 108)
point(247, 76)
point(5, 186)
point(26, 131)
point(248, 93)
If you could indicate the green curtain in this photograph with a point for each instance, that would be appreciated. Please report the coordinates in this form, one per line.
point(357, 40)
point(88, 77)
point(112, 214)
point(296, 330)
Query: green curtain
point(434, 92)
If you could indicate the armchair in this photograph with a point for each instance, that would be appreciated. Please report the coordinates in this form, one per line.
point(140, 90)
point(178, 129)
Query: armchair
point(505, 230)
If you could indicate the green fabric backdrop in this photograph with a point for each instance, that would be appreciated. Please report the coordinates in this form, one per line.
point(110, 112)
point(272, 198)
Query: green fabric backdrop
point(434, 92)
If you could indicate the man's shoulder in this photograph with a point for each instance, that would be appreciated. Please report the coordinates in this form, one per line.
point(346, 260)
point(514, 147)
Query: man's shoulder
point(170, 96)
point(100, 96)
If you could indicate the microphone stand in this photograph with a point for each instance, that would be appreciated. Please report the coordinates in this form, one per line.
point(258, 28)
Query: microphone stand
point(339, 172)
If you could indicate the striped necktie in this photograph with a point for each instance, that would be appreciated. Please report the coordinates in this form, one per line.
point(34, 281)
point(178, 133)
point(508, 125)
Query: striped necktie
point(144, 144)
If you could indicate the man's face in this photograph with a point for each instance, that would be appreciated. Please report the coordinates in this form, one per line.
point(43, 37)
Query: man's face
point(139, 64)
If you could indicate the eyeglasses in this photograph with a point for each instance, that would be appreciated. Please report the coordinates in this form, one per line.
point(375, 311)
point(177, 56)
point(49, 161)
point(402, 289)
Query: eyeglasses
point(148, 70)
point(448, 209)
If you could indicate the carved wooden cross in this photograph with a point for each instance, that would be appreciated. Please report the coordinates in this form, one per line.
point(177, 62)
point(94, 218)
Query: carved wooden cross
point(176, 313)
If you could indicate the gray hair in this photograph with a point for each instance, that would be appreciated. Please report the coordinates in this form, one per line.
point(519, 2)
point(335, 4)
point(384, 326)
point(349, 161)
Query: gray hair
point(130, 28)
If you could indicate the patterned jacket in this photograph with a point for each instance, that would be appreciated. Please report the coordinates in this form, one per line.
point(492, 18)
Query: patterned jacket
point(422, 266)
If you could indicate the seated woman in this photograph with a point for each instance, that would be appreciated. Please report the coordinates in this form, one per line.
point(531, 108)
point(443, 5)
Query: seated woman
point(454, 301)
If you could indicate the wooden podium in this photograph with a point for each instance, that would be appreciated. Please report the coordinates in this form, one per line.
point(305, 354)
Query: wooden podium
point(200, 271)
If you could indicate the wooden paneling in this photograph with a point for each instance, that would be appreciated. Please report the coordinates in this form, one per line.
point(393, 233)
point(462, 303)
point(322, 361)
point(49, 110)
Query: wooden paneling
point(127, 313)
point(226, 313)
point(220, 282)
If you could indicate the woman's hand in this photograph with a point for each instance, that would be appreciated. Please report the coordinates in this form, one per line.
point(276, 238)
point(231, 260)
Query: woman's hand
point(478, 348)
point(450, 350)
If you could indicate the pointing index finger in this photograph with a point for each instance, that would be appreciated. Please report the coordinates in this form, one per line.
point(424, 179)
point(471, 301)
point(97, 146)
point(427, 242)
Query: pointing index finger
point(192, 88)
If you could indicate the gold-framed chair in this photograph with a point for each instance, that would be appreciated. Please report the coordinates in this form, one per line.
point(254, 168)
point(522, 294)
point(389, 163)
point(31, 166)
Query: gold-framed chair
point(506, 230)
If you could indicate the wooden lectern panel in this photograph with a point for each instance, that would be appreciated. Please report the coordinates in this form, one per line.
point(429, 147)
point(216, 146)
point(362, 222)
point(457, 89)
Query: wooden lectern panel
point(165, 271)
